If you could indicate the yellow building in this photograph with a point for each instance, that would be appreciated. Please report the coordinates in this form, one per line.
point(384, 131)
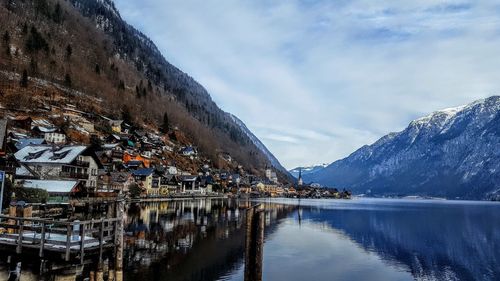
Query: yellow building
point(144, 178)
point(116, 125)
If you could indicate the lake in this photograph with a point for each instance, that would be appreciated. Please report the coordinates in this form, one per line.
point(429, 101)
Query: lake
point(359, 239)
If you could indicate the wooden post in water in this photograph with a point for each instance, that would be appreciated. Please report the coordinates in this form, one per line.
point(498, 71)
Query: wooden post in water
point(254, 242)
point(99, 276)
point(12, 213)
point(120, 209)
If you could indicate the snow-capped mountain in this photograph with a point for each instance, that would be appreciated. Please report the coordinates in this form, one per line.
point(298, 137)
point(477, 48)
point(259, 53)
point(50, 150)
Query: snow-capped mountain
point(452, 153)
point(307, 170)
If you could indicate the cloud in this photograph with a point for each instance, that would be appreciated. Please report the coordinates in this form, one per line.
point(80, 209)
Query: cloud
point(317, 79)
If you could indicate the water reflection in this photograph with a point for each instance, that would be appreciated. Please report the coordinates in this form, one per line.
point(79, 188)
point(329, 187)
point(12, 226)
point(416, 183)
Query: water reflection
point(188, 240)
point(431, 240)
point(316, 240)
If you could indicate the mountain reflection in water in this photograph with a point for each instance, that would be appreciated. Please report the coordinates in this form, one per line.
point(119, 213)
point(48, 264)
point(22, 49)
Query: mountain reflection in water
point(361, 239)
point(188, 240)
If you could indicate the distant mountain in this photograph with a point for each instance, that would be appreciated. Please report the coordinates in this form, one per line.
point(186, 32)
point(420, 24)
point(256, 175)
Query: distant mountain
point(452, 153)
point(307, 170)
point(88, 47)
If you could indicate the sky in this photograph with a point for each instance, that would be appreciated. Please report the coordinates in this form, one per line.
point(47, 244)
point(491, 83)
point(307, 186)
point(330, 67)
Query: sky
point(315, 80)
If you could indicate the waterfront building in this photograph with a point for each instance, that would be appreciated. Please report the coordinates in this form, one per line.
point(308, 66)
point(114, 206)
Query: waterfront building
point(68, 162)
point(144, 178)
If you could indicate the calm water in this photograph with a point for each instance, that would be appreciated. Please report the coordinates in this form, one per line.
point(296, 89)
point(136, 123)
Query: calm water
point(361, 239)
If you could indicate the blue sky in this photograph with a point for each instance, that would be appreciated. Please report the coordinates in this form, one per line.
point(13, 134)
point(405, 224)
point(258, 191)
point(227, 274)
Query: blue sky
point(315, 80)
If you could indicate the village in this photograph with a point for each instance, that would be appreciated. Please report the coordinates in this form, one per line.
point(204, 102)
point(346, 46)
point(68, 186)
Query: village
point(59, 153)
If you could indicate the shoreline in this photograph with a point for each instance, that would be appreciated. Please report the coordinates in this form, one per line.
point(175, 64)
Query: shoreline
point(174, 198)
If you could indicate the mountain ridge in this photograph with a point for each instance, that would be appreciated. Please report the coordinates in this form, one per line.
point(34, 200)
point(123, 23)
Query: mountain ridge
point(88, 47)
point(307, 169)
point(449, 153)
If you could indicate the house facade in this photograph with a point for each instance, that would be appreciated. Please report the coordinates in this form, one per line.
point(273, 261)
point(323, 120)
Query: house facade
point(70, 162)
point(169, 184)
point(116, 125)
point(144, 178)
point(55, 138)
point(191, 184)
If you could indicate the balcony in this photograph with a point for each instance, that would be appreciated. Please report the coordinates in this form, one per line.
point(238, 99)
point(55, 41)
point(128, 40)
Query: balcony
point(74, 175)
point(81, 163)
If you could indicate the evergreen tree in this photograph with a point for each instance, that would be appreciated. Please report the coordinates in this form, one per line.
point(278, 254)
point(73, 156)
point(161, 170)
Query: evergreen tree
point(165, 125)
point(25, 28)
point(126, 116)
point(67, 80)
point(69, 51)
point(95, 142)
point(57, 16)
point(10, 6)
point(33, 66)
point(6, 41)
point(24, 79)
point(42, 7)
point(150, 86)
point(36, 42)
point(137, 92)
point(6, 37)
point(121, 85)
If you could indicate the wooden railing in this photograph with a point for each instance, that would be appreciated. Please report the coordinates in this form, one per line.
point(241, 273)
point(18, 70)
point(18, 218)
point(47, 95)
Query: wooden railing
point(67, 237)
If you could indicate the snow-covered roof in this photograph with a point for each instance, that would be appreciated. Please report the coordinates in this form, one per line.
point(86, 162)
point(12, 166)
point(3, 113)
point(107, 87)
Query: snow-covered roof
point(42, 123)
point(189, 178)
point(49, 154)
point(110, 145)
point(18, 135)
point(46, 129)
point(22, 143)
point(52, 186)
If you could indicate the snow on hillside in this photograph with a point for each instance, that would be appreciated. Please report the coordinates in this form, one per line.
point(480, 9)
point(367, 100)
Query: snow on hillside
point(274, 161)
point(452, 153)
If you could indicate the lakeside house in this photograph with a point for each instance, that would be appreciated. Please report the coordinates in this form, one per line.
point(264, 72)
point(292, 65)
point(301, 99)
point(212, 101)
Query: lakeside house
point(169, 184)
point(191, 184)
point(58, 190)
point(71, 162)
point(144, 178)
point(115, 182)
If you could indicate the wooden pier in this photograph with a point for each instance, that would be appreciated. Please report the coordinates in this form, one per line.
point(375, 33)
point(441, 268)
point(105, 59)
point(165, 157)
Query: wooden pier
point(65, 243)
point(74, 239)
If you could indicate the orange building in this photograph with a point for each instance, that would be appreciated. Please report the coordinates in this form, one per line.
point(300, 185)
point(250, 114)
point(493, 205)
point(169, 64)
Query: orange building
point(128, 157)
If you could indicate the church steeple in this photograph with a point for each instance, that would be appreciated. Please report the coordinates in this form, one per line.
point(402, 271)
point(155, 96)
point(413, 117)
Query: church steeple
point(300, 181)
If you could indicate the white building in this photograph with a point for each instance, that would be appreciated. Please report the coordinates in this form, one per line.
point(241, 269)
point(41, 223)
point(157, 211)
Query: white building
point(55, 138)
point(268, 173)
point(70, 162)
